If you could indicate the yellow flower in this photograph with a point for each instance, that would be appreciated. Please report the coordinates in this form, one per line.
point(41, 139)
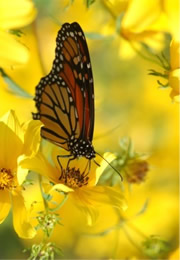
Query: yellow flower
point(171, 70)
point(14, 142)
point(174, 73)
point(77, 182)
point(14, 14)
point(143, 21)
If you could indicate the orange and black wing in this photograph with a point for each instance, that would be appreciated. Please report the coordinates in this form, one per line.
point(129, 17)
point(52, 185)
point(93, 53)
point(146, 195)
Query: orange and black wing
point(72, 63)
point(56, 110)
point(65, 97)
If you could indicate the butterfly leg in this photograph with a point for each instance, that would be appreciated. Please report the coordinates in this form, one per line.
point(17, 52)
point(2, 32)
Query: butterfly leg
point(71, 159)
point(86, 172)
point(58, 159)
point(97, 163)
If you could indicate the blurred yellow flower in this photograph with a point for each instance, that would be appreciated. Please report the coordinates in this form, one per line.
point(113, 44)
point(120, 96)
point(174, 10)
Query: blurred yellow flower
point(143, 21)
point(77, 182)
point(14, 14)
point(171, 70)
point(174, 73)
point(136, 170)
point(14, 142)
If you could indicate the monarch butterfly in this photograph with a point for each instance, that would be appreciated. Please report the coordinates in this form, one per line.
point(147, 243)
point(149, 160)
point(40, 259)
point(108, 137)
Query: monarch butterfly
point(65, 97)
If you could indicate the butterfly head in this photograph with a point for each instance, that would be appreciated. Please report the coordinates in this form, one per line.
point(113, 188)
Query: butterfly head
point(80, 147)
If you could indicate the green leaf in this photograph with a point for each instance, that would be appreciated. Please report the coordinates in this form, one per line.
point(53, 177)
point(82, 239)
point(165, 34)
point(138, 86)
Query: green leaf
point(161, 85)
point(28, 182)
point(47, 197)
point(155, 247)
point(16, 32)
point(89, 2)
point(144, 208)
point(157, 73)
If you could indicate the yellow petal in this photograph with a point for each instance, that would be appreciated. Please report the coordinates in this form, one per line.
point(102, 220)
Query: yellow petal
point(174, 82)
point(5, 204)
point(90, 199)
point(91, 214)
point(12, 52)
point(32, 138)
point(16, 13)
point(96, 171)
point(11, 147)
point(40, 164)
point(21, 172)
point(174, 54)
point(11, 120)
point(116, 7)
point(172, 10)
point(21, 220)
point(98, 195)
point(61, 187)
point(141, 14)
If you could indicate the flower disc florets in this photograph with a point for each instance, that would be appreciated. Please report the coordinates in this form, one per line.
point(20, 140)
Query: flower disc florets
point(73, 178)
point(6, 179)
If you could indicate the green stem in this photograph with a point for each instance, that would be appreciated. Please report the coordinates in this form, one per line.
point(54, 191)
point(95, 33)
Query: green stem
point(142, 55)
point(60, 204)
point(107, 132)
point(42, 193)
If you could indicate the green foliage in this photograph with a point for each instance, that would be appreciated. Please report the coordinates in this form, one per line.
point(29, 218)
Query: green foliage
point(165, 65)
point(89, 2)
point(46, 196)
point(47, 222)
point(28, 182)
point(44, 251)
point(155, 247)
point(16, 32)
point(129, 163)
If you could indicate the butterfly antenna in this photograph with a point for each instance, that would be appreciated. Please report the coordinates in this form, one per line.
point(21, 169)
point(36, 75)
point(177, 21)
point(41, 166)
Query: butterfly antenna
point(111, 166)
point(107, 132)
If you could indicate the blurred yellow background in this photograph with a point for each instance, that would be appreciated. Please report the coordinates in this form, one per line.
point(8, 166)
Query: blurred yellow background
point(125, 96)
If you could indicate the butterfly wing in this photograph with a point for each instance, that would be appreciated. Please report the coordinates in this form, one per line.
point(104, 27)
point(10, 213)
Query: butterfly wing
point(65, 97)
point(88, 78)
point(56, 110)
point(73, 58)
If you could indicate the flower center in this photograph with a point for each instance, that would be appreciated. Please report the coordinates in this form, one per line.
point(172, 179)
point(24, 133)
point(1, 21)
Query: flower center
point(6, 179)
point(74, 178)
